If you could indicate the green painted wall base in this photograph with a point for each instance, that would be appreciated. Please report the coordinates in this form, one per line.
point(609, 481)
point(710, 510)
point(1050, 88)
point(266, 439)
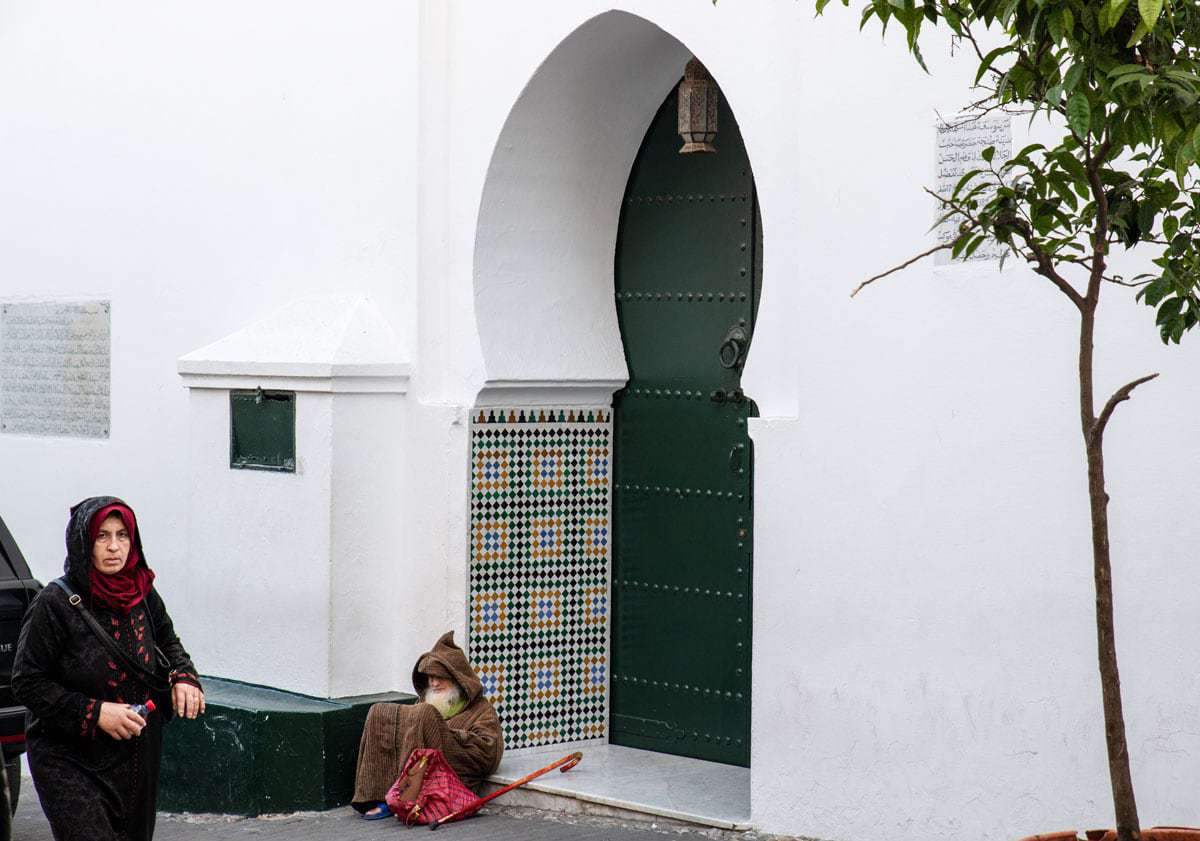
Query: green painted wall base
point(259, 750)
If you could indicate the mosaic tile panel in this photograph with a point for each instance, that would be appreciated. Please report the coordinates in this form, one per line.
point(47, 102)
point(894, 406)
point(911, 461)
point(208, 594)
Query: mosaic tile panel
point(539, 592)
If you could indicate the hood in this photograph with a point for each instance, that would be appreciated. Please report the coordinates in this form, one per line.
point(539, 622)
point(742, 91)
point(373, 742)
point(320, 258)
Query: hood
point(454, 660)
point(79, 541)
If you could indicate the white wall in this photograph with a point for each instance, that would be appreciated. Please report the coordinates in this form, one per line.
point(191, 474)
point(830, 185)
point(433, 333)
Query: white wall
point(368, 524)
point(197, 169)
point(924, 641)
point(924, 652)
point(923, 589)
point(254, 596)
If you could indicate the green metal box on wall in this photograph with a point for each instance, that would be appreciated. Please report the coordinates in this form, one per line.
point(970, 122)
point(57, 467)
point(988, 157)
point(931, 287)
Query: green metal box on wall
point(262, 430)
point(258, 750)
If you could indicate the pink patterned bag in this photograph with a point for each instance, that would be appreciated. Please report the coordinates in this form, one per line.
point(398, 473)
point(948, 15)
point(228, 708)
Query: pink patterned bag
point(427, 789)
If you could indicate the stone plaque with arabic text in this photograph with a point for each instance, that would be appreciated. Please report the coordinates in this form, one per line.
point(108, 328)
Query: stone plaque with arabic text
point(55, 368)
point(959, 145)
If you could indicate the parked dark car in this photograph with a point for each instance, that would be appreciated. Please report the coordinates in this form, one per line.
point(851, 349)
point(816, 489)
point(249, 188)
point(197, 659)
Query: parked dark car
point(17, 589)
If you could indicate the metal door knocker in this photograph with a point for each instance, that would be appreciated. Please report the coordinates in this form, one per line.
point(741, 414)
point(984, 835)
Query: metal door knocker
point(733, 349)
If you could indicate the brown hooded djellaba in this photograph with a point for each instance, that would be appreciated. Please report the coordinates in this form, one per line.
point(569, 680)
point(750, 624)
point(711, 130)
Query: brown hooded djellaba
point(470, 740)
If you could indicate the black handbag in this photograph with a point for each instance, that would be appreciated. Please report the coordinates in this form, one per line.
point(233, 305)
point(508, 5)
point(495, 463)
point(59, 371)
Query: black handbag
point(160, 688)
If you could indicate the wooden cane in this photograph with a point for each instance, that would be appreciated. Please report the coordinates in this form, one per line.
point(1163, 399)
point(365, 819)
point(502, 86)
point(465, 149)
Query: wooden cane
point(563, 765)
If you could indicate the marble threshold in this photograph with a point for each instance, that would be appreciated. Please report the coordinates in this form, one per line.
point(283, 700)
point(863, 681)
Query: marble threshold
point(627, 780)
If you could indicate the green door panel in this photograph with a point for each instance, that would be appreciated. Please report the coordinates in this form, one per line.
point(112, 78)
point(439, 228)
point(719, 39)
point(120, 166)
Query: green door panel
point(686, 276)
point(688, 445)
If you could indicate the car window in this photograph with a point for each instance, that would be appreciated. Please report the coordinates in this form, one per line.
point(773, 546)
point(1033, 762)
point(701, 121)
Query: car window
point(12, 563)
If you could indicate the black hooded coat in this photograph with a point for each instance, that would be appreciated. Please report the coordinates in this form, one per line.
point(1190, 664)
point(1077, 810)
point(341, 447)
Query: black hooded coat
point(93, 787)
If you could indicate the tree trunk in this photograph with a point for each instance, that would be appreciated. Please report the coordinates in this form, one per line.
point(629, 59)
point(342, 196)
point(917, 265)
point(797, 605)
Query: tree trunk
point(1124, 804)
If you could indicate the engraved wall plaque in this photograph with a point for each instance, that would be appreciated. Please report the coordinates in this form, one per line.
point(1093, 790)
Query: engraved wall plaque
point(959, 145)
point(55, 368)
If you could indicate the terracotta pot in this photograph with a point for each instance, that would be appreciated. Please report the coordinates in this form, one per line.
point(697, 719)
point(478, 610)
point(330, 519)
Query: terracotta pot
point(1154, 833)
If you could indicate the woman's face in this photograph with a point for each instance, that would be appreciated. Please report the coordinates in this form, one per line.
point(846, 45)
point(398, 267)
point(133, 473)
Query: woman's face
point(111, 549)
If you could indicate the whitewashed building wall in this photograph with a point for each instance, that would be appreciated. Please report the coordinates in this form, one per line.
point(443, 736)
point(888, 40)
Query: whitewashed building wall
point(924, 646)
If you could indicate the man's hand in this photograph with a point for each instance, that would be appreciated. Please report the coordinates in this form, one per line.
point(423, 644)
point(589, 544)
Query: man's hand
point(120, 722)
point(187, 700)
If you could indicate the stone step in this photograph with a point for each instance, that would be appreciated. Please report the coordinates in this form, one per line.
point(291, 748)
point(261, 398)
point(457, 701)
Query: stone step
point(630, 784)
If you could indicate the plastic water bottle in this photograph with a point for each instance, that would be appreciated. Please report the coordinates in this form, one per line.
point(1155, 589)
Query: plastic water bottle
point(145, 709)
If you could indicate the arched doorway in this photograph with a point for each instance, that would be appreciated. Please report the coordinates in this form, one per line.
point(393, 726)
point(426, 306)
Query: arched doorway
point(687, 286)
point(540, 627)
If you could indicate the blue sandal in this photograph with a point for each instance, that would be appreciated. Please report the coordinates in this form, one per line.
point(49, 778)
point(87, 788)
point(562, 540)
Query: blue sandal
point(384, 812)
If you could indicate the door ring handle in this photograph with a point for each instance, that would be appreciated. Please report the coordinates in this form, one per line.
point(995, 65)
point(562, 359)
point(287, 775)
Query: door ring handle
point(733, 350)
point(735, 459)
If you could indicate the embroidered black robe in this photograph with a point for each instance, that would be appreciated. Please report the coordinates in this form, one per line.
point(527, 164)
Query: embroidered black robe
point(93, 787)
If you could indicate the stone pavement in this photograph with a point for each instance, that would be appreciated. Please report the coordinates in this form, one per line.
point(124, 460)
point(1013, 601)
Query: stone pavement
point(497, 823)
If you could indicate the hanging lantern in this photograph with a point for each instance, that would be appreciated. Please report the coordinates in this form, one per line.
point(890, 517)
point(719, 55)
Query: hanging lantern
point(697, 109)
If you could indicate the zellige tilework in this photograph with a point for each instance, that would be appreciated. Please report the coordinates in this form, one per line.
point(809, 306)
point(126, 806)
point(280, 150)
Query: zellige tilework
point(540, 549)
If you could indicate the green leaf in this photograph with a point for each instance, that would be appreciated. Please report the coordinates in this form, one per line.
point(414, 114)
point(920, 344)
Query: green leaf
point(989, 58)
point(1123, 69)
point(1150, 10)
point(1139, 33)
point(1110, 14)
point(1079, 113)
point(962, 182)
point(975, 243)
point(1169, 130)
point(1169, 309)
point(1170, 226)
point(1054, 27)
point(1143, 79)
point(988, 153)
point(1153, 293)
point(959, 244)
point(1146, 213)
point(1183, 159)
point(1071, 80)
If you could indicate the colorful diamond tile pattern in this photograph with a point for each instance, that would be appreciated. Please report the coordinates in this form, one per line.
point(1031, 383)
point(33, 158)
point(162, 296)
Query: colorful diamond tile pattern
point(540, 550)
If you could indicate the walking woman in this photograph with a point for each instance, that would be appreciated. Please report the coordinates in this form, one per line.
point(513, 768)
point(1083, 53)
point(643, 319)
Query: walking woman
point(95, 642)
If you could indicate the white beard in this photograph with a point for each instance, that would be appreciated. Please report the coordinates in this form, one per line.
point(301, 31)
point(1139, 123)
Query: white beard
point(444, 700)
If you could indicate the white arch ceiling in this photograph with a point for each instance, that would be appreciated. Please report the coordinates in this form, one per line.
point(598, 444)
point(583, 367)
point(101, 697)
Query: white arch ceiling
point(543, 263)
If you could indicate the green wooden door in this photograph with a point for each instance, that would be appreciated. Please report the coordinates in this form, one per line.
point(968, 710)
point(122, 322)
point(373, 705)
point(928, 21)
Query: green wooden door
point(686, 286)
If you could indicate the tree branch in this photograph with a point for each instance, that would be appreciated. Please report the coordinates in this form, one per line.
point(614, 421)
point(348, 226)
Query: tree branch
point(971, 37)
point(1093, 161)
point(1120, 396)
point(1134, 284)
point(1043, 264)
point(903, 265)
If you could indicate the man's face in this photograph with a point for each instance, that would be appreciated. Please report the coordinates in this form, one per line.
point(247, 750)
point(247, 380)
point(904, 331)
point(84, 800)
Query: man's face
point(439, 684)
point(444, 694)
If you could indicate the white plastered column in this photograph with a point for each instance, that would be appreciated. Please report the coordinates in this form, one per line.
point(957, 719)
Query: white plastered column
point(290, 568)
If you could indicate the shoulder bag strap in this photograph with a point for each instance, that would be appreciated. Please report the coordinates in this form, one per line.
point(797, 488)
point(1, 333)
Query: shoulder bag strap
point(151, 680)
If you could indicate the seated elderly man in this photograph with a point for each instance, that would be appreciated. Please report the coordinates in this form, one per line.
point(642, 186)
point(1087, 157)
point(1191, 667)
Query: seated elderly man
point(453, 716)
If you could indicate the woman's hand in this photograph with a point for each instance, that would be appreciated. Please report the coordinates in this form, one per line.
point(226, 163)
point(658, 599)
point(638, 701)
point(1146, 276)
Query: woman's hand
point(187, 700)
point(119, 721)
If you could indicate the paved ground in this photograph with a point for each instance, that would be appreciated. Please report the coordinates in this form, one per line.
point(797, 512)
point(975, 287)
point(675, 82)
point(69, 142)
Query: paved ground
point(496, 824)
